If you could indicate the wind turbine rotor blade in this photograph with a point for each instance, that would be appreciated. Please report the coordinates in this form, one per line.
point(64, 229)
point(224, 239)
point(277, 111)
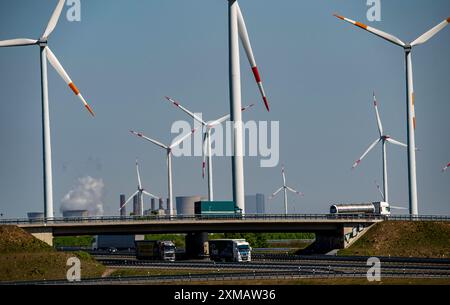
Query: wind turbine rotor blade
point(17, 42)
point(283, 175)
point(180, 140)
point(384, 35)
point(54, 19)
point(226, 117)
point(365, 153)
point(395, 142)
point(294, 191)
point(59, 68)
point(397, 208)
point(380, 126)
point(139, 134)
point(379, 189)
point(218, 121)
point(428, 35)
point(243, 34)
point(247, 107)
point(128, 200)
point(190, 113)
point(276, 192)
point(138, 175)
point(150, 194)
point(446, 167)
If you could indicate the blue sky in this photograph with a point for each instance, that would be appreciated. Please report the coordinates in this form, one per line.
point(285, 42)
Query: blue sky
point(318, 72)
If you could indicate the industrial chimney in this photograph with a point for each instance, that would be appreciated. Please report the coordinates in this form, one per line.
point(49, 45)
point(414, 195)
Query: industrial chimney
point(123, 211)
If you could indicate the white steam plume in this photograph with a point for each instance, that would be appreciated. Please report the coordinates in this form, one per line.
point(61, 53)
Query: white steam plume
point(87, 195)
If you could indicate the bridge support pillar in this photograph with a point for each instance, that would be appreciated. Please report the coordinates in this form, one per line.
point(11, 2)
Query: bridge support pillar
point(43, 234)
point(197, 245)
point(342, 238)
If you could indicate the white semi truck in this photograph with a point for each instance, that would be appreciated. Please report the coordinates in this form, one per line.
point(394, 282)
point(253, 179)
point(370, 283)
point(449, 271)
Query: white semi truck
point(230, 250)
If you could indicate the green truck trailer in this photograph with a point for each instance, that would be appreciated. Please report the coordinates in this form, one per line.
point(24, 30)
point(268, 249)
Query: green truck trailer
point(216, 209)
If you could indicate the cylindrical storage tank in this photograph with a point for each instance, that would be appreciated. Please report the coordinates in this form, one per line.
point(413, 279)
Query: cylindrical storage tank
point(186, 204)
point(161, 204)
point(136, 206)
point(152, 204)
point(123, 209)
point(75, 213)
point(360, 208)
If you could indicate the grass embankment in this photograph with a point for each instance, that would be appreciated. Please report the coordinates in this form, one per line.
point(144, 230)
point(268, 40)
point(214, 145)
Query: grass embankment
point(404, 239)
point(24, 257)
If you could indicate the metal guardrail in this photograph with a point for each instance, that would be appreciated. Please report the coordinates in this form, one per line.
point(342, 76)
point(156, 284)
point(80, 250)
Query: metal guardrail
point(246, 217)
point(280, 275)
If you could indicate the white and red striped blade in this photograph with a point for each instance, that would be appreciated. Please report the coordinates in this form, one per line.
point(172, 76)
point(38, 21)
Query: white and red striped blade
point(128, 200)
point(295, 191)
point(141, 135)
point(17, 42)
point(365, 153)
point(275, 193)
point(380, 126)
point(243, 34)
point(218, 121)
point(59, 68)
point(181, 139)
point(428, 35)
point(190, 113)
point(53, 19)
point(225, 117)
point(446, 167)
point(384, 35)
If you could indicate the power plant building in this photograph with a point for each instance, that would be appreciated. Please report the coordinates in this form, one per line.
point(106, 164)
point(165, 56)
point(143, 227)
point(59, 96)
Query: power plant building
point(255, 204)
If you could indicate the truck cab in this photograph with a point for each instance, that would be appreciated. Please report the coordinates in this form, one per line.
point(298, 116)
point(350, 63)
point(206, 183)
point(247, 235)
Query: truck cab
point(167, 250)
point(230, 250)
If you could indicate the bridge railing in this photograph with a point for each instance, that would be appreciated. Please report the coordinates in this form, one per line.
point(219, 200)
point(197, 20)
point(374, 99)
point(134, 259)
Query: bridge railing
point(246, 217)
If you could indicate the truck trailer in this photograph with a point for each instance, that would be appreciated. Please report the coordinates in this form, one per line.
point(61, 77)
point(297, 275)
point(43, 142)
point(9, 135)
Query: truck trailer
point(118, 242)
point(155, 250)
point(230, 250)
point(371, 208)
point(206, 209)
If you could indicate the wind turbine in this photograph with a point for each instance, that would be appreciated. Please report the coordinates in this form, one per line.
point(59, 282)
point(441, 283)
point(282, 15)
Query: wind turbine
point(168, 149)
point(46, 53)
point(383, 138)
point(207, 127)
point(238, 29)
point(446, 167)
point(285, 188)
point(411, 116)
point(140, 192)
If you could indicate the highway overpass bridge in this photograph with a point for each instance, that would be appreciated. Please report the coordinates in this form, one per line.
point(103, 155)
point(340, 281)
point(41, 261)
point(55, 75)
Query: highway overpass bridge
point(332, 231)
